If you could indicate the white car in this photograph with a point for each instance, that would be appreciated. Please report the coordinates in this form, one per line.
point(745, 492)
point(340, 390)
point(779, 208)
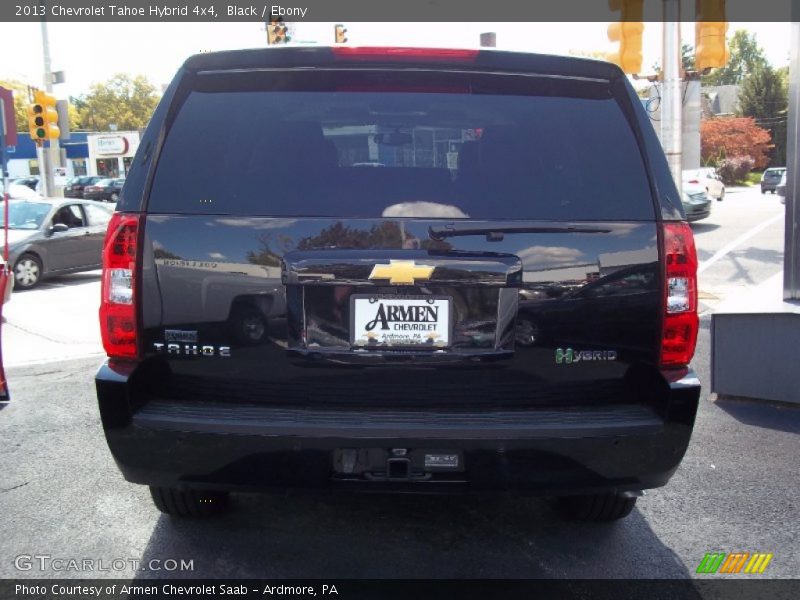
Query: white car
point(708, 178)
point(17, 190)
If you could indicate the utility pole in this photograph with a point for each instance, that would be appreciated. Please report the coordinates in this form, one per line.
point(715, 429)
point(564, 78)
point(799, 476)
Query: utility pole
point(51, 157)
point(671, 97)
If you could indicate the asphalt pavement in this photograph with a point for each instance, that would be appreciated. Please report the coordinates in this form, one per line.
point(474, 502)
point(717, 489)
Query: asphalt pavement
point(736, 490)
point(62, 496)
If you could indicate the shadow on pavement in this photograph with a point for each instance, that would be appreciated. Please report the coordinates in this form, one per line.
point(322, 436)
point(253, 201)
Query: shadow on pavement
point(760, 413)
point(380, 536)
point(699, 227)
point(66, 280)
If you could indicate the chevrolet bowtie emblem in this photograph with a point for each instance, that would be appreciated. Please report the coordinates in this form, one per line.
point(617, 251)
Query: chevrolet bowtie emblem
point(401, 272)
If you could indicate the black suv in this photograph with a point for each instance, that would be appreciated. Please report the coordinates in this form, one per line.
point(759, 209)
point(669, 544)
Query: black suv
point(399, 270)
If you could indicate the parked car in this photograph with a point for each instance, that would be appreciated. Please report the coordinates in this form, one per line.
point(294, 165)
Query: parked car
point(76, 185)
point(707, 178)
point(771, 178)
point(696, 203)
point(54, 236)
point(6, 295)
point(780, 189)
point(105, 189)
point(353, 328)
point(16, 190)
point(32, 182)
point(6, 285)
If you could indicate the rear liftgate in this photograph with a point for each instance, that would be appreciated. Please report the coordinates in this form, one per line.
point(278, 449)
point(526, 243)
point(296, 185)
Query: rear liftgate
point(400, 308)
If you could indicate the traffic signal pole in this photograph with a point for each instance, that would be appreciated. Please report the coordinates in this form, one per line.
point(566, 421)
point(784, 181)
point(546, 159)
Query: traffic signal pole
point(671, 97)
point(51, 157)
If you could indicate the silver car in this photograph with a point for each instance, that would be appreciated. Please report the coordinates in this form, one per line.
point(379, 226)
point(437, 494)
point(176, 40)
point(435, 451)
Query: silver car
point(780, 189)
point(54, 236)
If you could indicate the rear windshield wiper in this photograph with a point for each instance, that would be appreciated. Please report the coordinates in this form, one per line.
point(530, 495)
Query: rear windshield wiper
point(496, 232)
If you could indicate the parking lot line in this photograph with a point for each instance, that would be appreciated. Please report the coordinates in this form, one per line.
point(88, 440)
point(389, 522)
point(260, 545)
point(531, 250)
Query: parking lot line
point(726, 249)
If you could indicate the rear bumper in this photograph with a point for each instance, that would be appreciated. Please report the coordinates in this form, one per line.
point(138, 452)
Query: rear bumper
point(252, 447)
point(696, 214)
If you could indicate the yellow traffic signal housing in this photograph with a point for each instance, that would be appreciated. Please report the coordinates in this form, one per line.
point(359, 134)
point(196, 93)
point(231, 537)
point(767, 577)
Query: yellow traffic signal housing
point(43, 117)
point(711, 49)
point(340, 34)
point(627, 32)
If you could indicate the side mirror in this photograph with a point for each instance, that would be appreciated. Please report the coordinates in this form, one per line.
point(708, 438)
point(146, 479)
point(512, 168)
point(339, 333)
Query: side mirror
point(58, 228)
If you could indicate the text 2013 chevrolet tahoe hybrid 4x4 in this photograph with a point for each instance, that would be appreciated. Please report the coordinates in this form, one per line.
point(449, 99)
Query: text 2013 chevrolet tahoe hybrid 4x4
point(393, 269)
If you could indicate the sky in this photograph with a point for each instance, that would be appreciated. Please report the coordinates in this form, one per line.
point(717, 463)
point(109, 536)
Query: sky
point(94, 52)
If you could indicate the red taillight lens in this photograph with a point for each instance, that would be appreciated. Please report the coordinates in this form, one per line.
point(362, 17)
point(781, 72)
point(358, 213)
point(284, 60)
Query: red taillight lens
point(117, 304)
point(694, 181)
point(377, 53)
point(679, 334)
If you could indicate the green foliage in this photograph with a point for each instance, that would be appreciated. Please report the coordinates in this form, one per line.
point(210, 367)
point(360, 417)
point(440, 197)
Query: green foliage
point(687, 57)
point(764, 97)
point(753, 177)
point(128, 102)
point(746, 57)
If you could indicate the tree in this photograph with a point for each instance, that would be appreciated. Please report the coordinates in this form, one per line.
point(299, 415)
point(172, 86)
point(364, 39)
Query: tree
point(729, 137)
point(746, 56)
point(764, 97)
point(125, 101)
point(687, 57)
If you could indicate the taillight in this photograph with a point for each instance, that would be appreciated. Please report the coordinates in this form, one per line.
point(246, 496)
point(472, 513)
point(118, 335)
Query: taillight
point(694, 181)
point(679, 334)
point(118, 301)
point(416, 54)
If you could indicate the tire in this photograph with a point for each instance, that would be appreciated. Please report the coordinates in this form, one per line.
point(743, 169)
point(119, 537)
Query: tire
point(597, 508)
point(114, 197)
point(527, 332)
point(721, 195)
point(27, 271)
point(188, 503)
point(249, 325)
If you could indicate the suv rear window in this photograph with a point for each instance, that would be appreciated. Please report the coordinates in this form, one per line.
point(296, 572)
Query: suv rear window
point(394, 150)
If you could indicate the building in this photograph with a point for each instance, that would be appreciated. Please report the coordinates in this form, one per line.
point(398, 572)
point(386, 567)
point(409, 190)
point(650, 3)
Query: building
point(720, 100)
point(111, 154)
point(24, 163)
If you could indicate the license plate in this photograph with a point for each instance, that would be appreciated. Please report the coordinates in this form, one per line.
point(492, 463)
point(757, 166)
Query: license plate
point(444, 461)
point(400, 321)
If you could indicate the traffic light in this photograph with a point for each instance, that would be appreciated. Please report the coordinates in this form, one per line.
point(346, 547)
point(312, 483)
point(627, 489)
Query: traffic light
point(711, 49)
point(628, 33)
point(43, 117)
point(340, 35)
point(277, 32)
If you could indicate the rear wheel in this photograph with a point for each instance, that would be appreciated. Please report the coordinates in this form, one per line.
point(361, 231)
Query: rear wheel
point(249, 324)
point(188, 503)
point(27, 271)
point(597, 507)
